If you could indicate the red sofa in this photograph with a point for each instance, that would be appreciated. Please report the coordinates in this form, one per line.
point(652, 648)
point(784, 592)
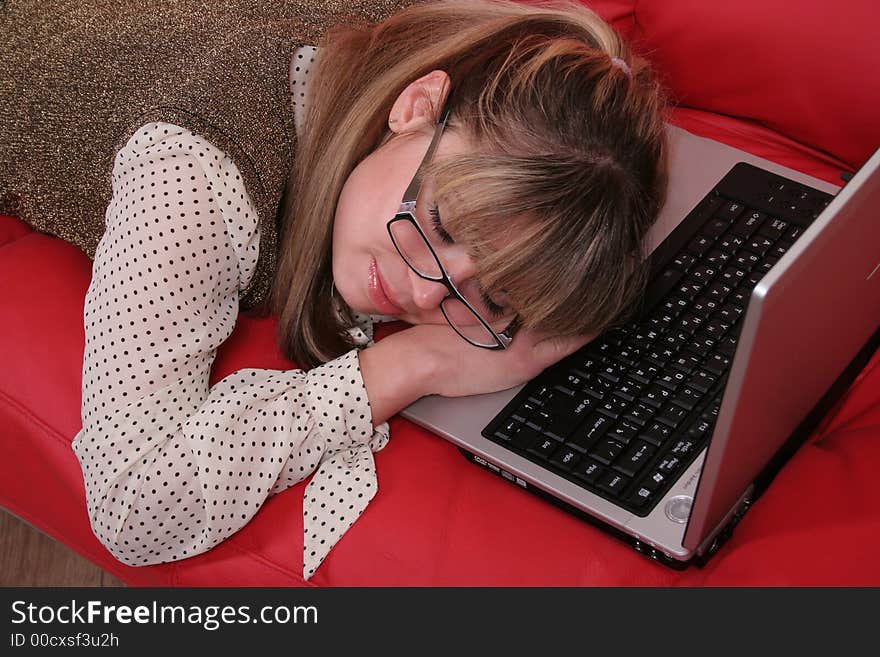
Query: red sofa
point(794, 84)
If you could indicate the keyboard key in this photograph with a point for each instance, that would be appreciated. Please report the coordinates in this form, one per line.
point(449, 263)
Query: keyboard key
point(702, 380)
point(766, 264)
point(561, 420)
point(655, 480)
point(717, 364)
point(611, 372)
point(793, 233)
point(685, 362)
point(700, 429)
point(674, 340)
point(661, 321)
point(639, 414)
point(774, 229)
point(589, 432)
point(711, 413)
point(731, 276)
point(672, 415)
point(671, 380)
point(656, 434)
point(683, 261)
point(674, 306)
point(613, 406)
point(626, 356)
point(745, 260)
point(660, 286)
point(669, 465)
point(688, 323)
point(606, 450)
point(688, 398)
point(754, 277)
point(624, 432)
point(702, 273)
point(716, 329)
point(566, 458)
point(730, 211)
point(587, 364)
point(655, 396)
point(701, 344)
point(588, 470)
point(574, 380)
point(699, 245)
point(740, 297)
point(714, 227)
point(628, 390)
point(707, 207)
point(506, 431)
point(544, 448)
point(644, 372)
point(683, 448)
point(613, 483)
point(779, 249)
point(748, 224)
point(634, 458)
point(758, 245)
point(640, 496)
point(727, 346)
point(717, 259)
point(524, 412)
point(730, 243)
point(688, 288)
point(729, 313)
point(659, 357)
point(598, 387)
point(718, 291)
point(525, 438)
point(540, 395)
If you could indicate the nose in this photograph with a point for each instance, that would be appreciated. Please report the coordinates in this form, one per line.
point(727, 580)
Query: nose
point(427, 295)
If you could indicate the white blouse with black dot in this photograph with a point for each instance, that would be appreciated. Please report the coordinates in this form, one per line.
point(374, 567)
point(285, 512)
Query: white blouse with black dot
point(172, 466)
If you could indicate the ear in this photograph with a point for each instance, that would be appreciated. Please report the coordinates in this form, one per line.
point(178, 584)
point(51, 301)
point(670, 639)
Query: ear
point(420, 103)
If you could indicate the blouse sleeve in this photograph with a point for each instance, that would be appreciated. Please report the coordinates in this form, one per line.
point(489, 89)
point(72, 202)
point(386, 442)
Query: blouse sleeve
point(172, 466)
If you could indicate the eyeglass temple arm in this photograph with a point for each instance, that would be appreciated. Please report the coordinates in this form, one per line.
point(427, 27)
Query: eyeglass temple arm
point(412, 192)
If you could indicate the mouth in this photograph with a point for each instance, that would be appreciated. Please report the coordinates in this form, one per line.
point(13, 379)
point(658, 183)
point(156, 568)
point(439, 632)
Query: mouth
point(378, 292)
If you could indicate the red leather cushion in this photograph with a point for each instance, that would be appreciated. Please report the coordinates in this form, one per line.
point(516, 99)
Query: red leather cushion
point(806, 69)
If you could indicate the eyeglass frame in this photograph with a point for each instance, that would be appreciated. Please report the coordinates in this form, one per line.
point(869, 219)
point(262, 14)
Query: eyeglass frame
point(406, 212)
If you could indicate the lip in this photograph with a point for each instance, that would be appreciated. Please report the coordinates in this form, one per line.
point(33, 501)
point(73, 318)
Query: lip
point(378, 292)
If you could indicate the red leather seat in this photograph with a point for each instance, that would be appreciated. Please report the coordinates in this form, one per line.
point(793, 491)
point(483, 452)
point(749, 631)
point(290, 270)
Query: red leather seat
point(794, 86)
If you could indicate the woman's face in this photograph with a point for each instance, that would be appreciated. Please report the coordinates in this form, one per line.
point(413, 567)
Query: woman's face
point(368, 271)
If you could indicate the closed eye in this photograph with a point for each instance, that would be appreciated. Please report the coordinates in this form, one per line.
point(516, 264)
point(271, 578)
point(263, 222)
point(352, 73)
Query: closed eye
point(494, 309)
point(445, 237)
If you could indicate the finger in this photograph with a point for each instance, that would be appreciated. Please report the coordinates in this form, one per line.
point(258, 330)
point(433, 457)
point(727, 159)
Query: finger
point(553, 349)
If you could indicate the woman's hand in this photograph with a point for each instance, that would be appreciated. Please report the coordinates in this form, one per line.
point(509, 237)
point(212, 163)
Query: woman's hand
point(433, 359)
point(461, 369)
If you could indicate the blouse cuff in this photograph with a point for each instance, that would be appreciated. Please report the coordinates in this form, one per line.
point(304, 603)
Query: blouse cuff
point(345, 480)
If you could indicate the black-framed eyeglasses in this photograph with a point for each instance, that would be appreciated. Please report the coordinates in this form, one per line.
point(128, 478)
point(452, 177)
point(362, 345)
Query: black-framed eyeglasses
point(412, 244)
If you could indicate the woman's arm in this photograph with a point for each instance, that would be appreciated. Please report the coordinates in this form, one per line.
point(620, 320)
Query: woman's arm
point(172, 466)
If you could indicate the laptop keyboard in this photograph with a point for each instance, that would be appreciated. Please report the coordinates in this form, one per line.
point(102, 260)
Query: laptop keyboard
point(626, 414)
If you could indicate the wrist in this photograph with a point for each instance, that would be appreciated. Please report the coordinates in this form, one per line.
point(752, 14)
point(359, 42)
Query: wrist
point(397, 371)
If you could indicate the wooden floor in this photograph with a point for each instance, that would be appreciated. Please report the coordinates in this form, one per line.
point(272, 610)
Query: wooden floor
point(30, 558)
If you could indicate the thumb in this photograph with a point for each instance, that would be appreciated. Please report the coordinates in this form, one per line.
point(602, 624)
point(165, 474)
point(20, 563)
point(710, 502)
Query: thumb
point(553, 349)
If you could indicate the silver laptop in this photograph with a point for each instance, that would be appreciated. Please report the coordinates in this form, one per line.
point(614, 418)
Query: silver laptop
point(666, 430)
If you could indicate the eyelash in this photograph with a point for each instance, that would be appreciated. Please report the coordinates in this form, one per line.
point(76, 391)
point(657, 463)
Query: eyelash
point(494, 309)
point(438, 227)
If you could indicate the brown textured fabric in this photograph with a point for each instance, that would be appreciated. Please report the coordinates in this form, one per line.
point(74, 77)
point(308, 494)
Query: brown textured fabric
point(78, 78)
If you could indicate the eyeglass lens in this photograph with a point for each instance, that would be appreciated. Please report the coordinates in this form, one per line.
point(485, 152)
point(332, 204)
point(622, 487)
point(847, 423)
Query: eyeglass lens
point(418, 254)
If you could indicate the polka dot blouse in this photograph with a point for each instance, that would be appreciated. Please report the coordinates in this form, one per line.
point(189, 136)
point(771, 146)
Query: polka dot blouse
point(172, 466)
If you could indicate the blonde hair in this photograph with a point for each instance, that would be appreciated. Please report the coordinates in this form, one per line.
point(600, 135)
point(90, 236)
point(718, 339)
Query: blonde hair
point(555, 202)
